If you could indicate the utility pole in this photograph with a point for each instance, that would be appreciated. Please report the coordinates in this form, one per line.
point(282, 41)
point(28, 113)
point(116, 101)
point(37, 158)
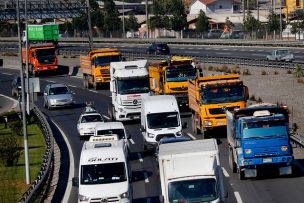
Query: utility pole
point(123, 19)
point(281, 26)
point(243, 5)
point(90, 25)
point(26, 152)
point(258, 10)
point(147, 18)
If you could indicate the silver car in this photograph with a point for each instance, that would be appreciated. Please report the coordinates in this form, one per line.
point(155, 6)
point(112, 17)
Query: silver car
point(57, 95)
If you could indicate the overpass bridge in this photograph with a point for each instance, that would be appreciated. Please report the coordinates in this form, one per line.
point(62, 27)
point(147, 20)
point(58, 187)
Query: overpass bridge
point(40, 9)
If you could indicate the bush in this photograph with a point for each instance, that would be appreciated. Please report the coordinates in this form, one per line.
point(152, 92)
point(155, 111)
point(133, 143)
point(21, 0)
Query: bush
point(276, 72)
point(224, 69)
point(300, 81)
point(264, 72)
point(252, 98)
point(289, 71)
point(246, 72)
point(16, 127)
point(298, 71)
point(210, 68)
point(9, 150)
point(259, 100)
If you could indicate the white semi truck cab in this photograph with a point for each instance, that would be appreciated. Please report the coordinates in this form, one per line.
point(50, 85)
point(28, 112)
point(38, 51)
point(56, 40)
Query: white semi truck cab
point(191, 172)
point(129, 84)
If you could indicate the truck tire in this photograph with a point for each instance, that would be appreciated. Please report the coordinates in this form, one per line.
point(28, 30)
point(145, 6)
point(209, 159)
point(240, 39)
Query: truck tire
point(85, 82)
point(193, 124)
point(241, 174)
point(111, 112)
point(232, 164)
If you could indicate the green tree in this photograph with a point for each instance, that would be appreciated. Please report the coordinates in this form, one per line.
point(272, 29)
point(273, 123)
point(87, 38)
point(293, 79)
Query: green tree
point(178, 21)
point(273, 22)
point(111, 18)
point(131, 23)
point(202, 23)
point(251, 24)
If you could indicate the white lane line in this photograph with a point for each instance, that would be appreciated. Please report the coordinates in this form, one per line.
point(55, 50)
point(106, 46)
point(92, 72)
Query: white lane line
point(193, 52)
point(106, 117)
point(146, 177)
point(72, 86)
point(93, 91)
point(260, 50)
point(6, 74)
point(251, 50)
point(258, 54)
point(71, 171)
point(225, 49)
point(132, 141)
point(140, 157)
point(238, 197)
point(50, 81)
point(190, 135)
point(226, 174)
point(222, 53)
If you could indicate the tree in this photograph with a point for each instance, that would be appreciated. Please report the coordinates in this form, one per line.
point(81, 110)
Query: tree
point(202, 23)
point(251, 24)
point(179, 19)
point(111, 19)
point(131, 23)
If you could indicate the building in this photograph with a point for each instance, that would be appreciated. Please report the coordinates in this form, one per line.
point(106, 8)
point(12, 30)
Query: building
point(215, 6)
point(290, 6)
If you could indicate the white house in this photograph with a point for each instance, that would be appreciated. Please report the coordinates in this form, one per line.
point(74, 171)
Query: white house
point(215, 6)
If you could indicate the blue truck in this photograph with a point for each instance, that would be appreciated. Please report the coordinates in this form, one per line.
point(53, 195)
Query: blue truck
point(258, 139)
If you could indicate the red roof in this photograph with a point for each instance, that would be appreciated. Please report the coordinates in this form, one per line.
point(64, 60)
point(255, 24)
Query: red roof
point(208, 2)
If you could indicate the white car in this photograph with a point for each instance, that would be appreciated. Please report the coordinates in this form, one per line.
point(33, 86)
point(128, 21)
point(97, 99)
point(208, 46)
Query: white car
point(110, 128)
point(87, 122)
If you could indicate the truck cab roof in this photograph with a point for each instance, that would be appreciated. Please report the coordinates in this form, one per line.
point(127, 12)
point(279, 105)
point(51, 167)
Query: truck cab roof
point(127, 69)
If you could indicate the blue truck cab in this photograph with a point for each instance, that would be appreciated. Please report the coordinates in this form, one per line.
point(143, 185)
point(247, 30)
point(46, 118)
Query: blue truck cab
point(258, 138)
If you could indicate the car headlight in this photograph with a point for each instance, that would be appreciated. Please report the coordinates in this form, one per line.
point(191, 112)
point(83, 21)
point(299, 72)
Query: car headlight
point(284, 148)
point(83, 198)
point(207, 123)
point(52, 101)
point(247, 151)
point(124, 195)
point(150, 135)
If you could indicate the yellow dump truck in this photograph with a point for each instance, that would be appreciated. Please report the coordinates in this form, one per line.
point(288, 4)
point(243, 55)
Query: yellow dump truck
point(209, 96)
point(96, 66)
point(171, 77)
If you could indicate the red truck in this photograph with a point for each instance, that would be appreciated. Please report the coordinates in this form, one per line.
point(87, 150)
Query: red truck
point(41, 58)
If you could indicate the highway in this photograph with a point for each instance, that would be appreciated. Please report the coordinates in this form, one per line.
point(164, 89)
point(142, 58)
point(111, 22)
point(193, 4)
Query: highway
point(146, 186)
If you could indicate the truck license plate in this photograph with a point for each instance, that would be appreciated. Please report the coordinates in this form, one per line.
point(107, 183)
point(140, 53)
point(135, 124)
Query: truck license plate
point(267, 160)
point(220, 123)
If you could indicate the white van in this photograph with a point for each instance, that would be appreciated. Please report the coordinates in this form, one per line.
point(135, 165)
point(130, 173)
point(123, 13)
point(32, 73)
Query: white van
point(160, 118)
point(103, 171)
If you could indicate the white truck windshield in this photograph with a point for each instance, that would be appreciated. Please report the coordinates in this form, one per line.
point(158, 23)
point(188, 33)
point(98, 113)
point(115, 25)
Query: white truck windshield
point(163, 120)
point(133, 86)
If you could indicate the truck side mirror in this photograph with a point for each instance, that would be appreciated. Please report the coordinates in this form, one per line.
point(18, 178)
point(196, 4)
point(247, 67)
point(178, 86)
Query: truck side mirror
point(128, 136)
point(75, 181)
point(45, 93)
point(142, 128)
point(185, 125)
point(246, 92)
point(153, 83)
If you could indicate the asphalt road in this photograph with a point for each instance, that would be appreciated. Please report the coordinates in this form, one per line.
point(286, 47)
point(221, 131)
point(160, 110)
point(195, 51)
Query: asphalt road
point(146, 186)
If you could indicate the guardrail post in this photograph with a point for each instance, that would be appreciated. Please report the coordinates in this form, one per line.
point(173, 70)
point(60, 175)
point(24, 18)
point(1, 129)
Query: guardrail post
point(5, 123)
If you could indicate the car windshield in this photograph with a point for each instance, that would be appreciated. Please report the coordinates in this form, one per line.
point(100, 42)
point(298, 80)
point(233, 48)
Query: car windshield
point(162, 46)
point(119, 132)
point(59, 90)
point(180, 73)
point(283, 51)
point(163, 120)
point(264, 129)
point(222, 94)
point(103, 173)
point(133, 86)
point(196, 191)
point(105, 60)
point(91, 118)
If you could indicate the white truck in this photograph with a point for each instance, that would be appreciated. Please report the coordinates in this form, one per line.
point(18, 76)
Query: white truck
point(129, 84)
point(103, 171)
point(160, 118)
point(191, 172)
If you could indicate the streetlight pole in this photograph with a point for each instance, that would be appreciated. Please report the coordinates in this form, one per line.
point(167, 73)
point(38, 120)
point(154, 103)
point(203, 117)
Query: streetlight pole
point(123, 19)
point(281, 26)
point(258, 10)
point(90, 25)
point(147, 19)
point(26, 152)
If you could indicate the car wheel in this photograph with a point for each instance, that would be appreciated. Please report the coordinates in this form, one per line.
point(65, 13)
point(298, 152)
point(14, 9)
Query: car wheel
point(49, 107)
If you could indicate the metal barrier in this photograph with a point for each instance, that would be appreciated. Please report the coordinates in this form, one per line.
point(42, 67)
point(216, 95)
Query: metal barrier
point(37, 187)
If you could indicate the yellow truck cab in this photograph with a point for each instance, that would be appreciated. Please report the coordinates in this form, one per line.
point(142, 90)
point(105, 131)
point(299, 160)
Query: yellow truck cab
point(209, 96)
point(96, 66)
point(171, 77)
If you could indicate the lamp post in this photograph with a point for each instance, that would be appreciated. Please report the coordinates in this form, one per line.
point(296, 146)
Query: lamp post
point(89, 25)
point(123, 19)
point(147, 18)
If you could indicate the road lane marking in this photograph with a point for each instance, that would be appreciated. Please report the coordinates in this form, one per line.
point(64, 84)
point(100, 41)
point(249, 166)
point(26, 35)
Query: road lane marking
point(222, 53)
point(140, 157)
point(132, 141)
point(146, 177)
point(6, 74)
point(226, 174)
point(72, 86)
point(190, 135)
point(93, 91)
point(238, 197)
point(50, 81)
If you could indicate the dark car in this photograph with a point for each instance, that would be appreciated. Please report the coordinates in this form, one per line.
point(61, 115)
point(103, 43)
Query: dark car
point(158, 48)
point(214, 33)
point(167, 140)
point(16, 86)
point(237, 34)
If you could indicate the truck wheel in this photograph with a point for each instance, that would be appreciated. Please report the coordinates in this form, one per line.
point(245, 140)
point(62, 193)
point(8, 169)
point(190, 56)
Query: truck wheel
point(111, 112)
point(241, 174)
point(232, 164)
point(193, 124)
point(95, 85)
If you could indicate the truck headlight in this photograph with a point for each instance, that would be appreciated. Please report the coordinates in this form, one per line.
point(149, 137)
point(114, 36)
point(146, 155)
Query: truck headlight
point(207, 123)
point(179, 133)
point(83, 198)
point(284, 148)
point(248, 151)
point(124, 195)
point(150, 135)
point(120, 109)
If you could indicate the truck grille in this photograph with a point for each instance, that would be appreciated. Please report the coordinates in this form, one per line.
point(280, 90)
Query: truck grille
point(133, 115)
point(160, 136)
point(105, 71)
point(101, 200)
point(135, 102)
point(46, 61)
point(216, 111)
point(179, 88)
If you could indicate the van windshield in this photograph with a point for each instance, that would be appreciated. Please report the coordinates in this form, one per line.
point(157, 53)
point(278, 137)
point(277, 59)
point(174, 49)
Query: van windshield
point(119, 132)
point(199, 190)
point(163, 120)
point(103, 173)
